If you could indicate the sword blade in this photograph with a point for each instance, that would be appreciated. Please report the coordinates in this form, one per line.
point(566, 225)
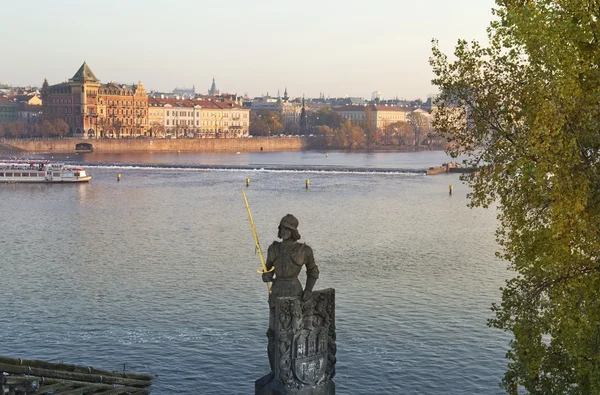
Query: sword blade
point(257, 243)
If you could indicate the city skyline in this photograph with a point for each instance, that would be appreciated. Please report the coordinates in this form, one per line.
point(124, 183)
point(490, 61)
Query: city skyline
point(336, 49)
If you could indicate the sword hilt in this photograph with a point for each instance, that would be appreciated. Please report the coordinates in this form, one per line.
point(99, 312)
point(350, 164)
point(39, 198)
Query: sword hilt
point(268, 271)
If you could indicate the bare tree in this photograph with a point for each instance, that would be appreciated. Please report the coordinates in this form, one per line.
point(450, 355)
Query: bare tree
point(117, 126)
point(369, 126)
point(48, 129)
point(157, 129)
point(103, 125)
point(292, 127)
point(61, 128)
point(420, 124)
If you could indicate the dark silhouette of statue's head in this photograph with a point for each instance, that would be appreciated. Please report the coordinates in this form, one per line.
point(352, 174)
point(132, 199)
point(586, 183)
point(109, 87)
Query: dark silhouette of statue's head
point(291, 223)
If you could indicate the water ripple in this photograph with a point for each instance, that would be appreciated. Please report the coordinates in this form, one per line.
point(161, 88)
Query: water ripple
point(156, 274)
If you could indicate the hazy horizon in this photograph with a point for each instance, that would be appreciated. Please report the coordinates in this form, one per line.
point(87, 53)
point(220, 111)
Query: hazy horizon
point(338, 48)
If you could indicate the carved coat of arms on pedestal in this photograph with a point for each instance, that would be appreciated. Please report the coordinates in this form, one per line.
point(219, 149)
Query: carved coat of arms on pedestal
point(305, 347)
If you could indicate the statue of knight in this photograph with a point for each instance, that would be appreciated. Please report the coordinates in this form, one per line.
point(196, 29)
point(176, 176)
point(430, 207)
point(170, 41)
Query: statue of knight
point(301, 335)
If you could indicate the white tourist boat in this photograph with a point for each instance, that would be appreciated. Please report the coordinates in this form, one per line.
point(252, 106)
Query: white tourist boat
point(41, 171)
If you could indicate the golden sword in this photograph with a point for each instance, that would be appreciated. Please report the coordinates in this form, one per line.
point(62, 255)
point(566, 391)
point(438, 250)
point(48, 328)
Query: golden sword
point(262, 258)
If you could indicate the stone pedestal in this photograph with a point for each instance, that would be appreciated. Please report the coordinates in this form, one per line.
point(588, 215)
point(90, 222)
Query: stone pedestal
point(303, 347)
point(267, 385)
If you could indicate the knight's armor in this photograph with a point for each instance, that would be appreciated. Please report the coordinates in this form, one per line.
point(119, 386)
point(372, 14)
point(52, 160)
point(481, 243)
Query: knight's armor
point(288, 257)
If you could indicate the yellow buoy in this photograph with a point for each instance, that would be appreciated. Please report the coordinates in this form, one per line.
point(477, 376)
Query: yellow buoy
point(247, 182)
point(118, 177)
point(307, 183)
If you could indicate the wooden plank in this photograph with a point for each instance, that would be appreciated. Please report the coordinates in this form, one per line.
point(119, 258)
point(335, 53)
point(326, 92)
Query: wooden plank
point(77, 391)
point(72, 368)
point(115, 391)
point(47, 388)
point(124, 390)
point(20, 382)
point(92, 378)
point(68, 384)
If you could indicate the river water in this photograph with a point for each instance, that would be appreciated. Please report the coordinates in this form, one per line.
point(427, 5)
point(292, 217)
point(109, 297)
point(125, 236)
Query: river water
point(157, 273)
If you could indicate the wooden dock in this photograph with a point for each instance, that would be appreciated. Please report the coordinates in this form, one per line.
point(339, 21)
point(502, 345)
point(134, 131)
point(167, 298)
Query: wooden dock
point(29, 377)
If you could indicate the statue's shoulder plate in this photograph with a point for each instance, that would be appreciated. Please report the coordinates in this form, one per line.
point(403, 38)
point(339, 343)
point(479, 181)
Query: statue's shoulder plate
point(273, 250)
point(301, 252)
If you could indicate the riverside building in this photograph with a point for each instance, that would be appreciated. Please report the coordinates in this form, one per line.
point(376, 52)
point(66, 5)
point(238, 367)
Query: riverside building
point(122, 110)
point(290, 112)
point(96, 110)
point(198, 118)
point(92, 109)
point(9, 110)
point(381, 115)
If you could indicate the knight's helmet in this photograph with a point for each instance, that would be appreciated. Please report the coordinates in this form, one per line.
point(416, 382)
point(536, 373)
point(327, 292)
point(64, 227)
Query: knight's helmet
point(290, 222)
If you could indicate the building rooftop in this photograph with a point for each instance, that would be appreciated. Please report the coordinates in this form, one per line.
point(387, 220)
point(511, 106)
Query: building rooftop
point(84, 74)
point(6, 100)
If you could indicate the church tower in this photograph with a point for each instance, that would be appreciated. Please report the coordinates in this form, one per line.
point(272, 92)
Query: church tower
point(45, 94)
point(213, 91)
point(303, 118)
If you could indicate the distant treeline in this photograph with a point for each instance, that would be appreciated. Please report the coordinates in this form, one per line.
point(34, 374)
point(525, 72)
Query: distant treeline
point(336, 132)
point(48, 128)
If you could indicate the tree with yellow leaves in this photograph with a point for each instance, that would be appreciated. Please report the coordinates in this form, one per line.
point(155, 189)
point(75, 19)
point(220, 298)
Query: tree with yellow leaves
point(525, 109)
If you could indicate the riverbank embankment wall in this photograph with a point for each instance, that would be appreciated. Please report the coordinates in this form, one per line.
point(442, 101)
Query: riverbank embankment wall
point(160, 145)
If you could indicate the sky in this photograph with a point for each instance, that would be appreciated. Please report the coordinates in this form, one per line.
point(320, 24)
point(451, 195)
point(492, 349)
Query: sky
point(336, 47)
